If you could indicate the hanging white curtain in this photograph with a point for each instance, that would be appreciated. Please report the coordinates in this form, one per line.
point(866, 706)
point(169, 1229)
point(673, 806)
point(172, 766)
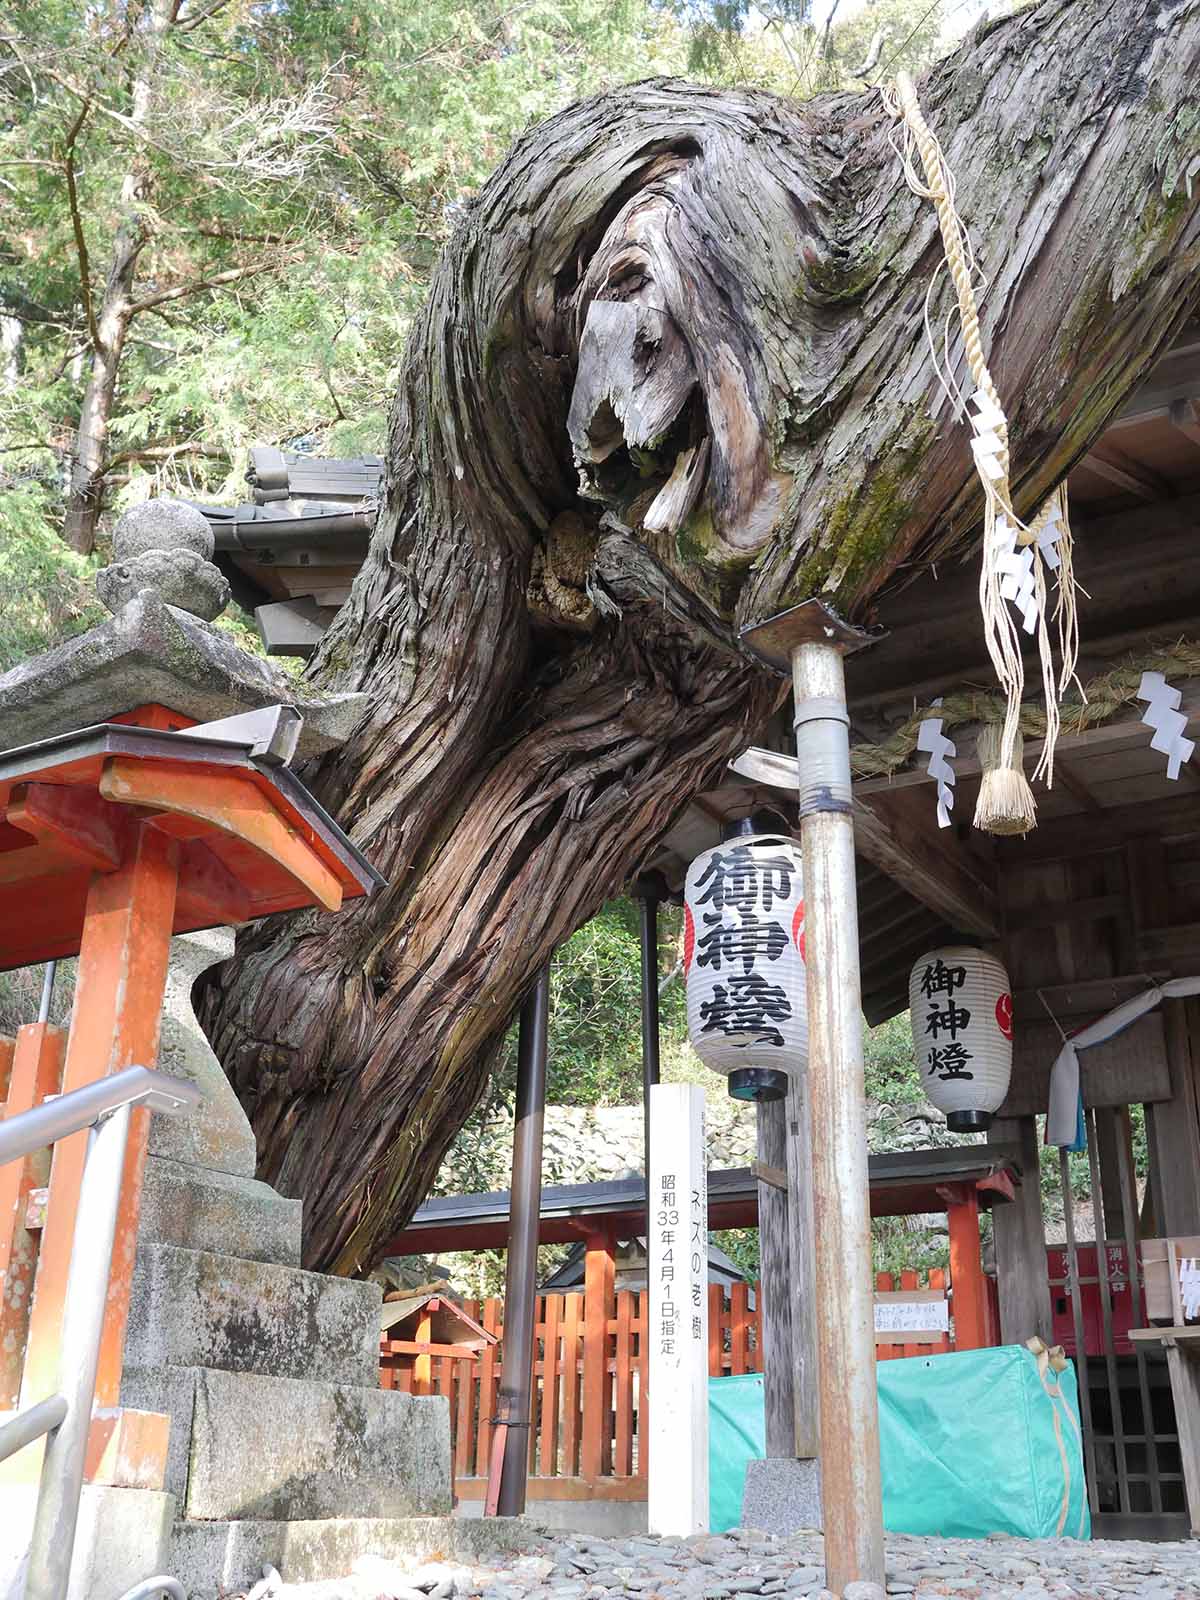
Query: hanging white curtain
point(1064, 1115)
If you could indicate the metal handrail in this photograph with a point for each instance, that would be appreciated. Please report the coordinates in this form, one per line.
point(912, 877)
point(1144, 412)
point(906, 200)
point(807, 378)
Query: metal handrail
point(106, 1108)
point(31, 1424)
point(65, 1114)
point(154, 1587)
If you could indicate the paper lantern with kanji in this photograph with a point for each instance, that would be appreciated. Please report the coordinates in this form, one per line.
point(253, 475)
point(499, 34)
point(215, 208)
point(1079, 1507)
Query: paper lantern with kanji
point(961, 1006)
point(743, 956)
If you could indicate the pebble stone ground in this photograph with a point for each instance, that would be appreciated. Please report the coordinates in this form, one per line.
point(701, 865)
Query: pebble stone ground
point(579, 1567)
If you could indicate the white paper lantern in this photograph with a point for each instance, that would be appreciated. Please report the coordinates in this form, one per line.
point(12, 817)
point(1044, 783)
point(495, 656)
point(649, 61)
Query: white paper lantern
point(743, 957)
point(961, 1006)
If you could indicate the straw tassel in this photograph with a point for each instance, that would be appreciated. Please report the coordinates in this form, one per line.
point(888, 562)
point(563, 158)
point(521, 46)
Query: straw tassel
point(1005, 803)
point(1012, 580)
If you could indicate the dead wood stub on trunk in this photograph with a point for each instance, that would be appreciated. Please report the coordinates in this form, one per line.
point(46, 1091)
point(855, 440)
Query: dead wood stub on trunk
point(671, 376)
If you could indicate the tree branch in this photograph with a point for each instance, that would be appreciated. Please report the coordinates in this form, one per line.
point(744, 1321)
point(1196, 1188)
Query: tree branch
point(81, 250)
point(191, 23)
point(165, 452)
point(217, 281)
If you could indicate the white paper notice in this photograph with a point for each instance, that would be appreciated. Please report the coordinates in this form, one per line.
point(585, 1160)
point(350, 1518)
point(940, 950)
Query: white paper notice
point(678, 1312)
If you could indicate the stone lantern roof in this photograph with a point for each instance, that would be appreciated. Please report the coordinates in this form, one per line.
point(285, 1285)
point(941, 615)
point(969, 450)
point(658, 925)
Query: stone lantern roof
point(160, 647)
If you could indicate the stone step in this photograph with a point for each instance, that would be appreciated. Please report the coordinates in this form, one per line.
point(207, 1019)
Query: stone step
point(227, 1557)
point(122, 1537)
point(196, 1308)
point(200, 1208)
point(271, 1448)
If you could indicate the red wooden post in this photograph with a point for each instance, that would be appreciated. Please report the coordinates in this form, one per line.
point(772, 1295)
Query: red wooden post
point(422, 1367)
point(716, 1330)
point(572, 1323)
point(550, 1371)
point(36, 1072)
point(966, 1273)
point(739, 1294)
point(487, 1388)
point(599, 1273)
point(623, 1429)
point(466, 1399)
point(642, 1329)
point(114, 1024)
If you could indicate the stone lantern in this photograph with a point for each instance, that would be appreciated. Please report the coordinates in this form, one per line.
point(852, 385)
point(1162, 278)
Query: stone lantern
point(146, 794)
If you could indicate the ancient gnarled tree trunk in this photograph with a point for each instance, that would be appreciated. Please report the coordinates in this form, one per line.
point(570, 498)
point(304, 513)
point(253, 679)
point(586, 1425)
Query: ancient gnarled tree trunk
point(671, 377)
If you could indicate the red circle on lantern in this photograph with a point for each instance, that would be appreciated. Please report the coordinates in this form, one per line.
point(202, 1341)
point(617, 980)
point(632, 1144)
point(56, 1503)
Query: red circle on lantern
point(689, 939)
point(798, 930)
point(1004, 1015)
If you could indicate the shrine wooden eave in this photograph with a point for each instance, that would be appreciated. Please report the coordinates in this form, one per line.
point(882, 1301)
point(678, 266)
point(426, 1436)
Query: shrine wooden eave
point(252, 840)
point(449, 1324)
point(903, 1183)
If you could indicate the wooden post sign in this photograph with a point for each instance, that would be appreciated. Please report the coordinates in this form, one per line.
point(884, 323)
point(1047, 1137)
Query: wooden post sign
point(677, 1312)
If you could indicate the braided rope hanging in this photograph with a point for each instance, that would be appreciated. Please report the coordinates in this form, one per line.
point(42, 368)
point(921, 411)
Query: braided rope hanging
point(1016, 557)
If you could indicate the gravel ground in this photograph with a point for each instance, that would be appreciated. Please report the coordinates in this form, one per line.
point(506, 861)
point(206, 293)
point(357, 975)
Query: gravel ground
point(745, 1563)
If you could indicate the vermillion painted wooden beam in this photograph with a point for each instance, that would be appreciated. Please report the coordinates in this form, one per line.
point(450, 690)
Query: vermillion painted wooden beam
point(71, 828)
point(229, 802)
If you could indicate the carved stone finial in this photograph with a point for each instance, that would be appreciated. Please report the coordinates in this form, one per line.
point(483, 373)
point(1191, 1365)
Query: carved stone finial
point(164, 545)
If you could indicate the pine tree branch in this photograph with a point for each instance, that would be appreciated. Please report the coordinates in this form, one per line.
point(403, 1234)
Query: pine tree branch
point(189, 24)
point(200, 285)
point(81, 249)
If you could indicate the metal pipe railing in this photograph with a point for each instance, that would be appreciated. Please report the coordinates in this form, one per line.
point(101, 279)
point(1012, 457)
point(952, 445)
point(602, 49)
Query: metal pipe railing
point(62, 1115)
point(105, 1107)
point(31, 1424)
point(169, 1588)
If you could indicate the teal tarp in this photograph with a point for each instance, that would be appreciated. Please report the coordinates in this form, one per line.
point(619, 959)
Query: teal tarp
point(737, 1433)
point(968, 1444)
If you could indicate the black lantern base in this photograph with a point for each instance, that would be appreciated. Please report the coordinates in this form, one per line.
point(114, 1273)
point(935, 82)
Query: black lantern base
point(969, 1121)
point(758, 1083)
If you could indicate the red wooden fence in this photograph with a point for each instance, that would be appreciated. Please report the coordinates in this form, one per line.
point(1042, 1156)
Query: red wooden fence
point(585, 1437)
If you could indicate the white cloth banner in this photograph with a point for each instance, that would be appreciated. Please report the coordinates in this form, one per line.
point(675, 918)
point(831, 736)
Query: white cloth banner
point(1063, 1111)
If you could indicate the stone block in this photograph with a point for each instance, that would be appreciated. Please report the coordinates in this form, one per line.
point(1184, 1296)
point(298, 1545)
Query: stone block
point(275, 1448)
point(199, 1208)
point(122, 1538)
point(218, 1133)
point(227, 1557)
point(782, 1496)
point(195, 1308)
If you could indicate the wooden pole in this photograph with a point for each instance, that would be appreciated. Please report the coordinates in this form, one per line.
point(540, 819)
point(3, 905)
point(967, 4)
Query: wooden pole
point(802, 1250)
point(851, 1489)
point(777, 1287)
point(520, 1285)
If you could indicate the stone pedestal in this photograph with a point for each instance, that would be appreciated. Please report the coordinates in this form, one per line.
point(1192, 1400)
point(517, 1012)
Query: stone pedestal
point(782, 1496)
point(270, 1374)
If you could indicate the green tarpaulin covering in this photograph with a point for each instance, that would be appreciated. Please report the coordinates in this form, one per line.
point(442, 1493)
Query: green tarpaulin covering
point(972, 1443)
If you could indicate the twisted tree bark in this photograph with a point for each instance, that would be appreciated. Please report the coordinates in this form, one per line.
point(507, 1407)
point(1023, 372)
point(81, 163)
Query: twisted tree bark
point(671, 377)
